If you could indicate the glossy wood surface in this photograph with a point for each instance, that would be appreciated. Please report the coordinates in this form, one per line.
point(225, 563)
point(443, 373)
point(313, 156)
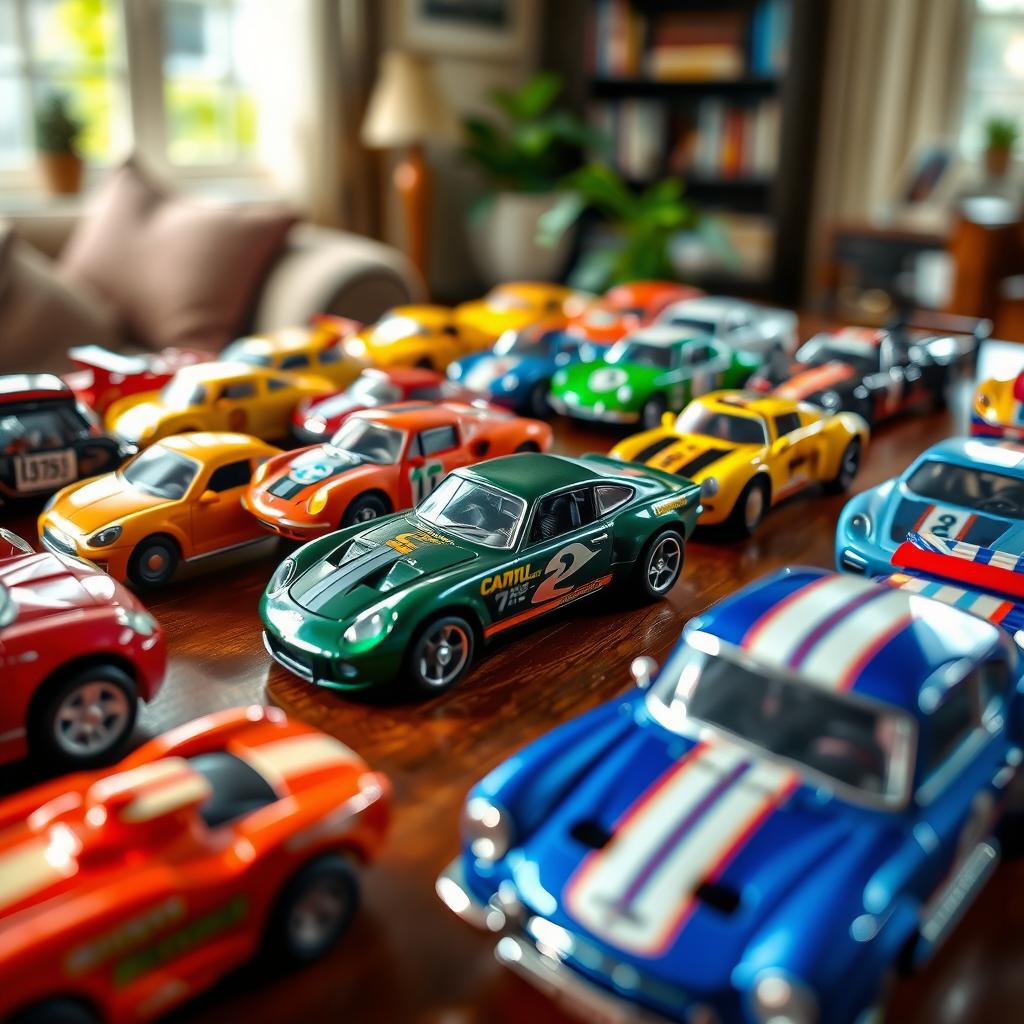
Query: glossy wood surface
point(408, 959)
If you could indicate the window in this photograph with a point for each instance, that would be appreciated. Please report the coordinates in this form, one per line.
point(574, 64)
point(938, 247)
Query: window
point(331, 354)
point(562, 513)
point(787, 423)
point(948, 726)
point(611, 496)
point(234, 474)
point(995, 70)
point(994, 679)
point(296, 362)
point(277, 384)
point(428, 394)
point(239, 390)
point(696, 354)
point(440, 439)
point(173, 79)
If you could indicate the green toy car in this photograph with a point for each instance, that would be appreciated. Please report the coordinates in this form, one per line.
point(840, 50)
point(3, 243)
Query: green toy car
point(649, 372)
point(413, 595)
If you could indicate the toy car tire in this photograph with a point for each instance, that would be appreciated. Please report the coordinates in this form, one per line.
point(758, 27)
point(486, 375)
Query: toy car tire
point(101, 701)
point(537, 402)
point(659, 566)
point(651, 412)
point(153, 562)
point(364, 508)
point(750, 508)
point(849, 465)
point(313, 911)
point(56, 1011)
point(434, 671)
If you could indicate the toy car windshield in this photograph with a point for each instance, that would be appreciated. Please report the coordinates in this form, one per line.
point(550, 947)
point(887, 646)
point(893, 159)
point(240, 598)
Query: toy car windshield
point(374, 389)
point(522, 342)
point(862, 746)
point(698, 419)
point(371, 441)
point(657, 356)
point(242, 351)
point(474, 511)
point(692, 323)
point(31, 431)
point(980, 489)
point(162, 473)
point(181, 394)
point(824, 348)
point(395, 328)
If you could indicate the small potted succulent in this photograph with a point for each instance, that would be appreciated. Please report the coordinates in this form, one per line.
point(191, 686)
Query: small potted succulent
point(58, 133)
point(1000, 137)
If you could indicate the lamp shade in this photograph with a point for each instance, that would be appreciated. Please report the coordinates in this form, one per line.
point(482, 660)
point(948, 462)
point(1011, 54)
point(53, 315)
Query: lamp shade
point(406, 106)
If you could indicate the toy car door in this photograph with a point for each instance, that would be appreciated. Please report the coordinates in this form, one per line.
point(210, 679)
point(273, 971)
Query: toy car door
point(431, 456)
point(795, 452)
point(217, 518)
point(278, 398)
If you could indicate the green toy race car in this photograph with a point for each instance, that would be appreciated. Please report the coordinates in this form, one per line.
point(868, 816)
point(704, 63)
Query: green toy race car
point(648, 373)
point(413, 595)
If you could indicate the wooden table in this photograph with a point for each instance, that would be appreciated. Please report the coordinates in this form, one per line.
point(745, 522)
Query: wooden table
point(409, 959)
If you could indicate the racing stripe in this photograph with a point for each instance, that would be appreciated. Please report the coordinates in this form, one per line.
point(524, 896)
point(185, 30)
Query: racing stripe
point(986, 606)
point(817, 378)
point(702, 461)
point(649, 451)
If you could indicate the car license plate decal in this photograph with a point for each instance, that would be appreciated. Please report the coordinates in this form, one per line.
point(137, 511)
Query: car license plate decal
point(41, 471)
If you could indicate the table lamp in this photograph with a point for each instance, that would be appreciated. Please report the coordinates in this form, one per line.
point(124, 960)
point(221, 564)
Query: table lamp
point(406, 109)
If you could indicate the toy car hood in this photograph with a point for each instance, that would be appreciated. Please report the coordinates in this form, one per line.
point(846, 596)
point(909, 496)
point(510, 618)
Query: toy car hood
point(912, 513)
point(41, 585)
point(312, 469)
point(489, 368)
point(810, 380)
point(689, 455)
point(133, 420)
point(102, 501)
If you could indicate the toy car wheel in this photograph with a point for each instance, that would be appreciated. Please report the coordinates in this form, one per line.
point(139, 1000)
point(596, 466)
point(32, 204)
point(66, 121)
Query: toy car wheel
point(56, 1011)
point(313, 911)
point(153, 562)
point(87, 718)
point(652, 411)
point(849, 465)
point(659, 565)
point(363, 509)
point(750, 508)
point(440, 654)
point(537, 402)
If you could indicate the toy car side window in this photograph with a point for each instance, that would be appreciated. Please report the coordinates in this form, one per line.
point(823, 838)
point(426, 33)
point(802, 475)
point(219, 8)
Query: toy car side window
point(236, 789)
point(331, 354)
point(239, 390)
point(611, 496)
point(277, 384)
point(786, 423)
point(450, 329)
point(696, 354)
point(234, 474)
point(994, 681)
point(295, 362)
point(562, 513)
point(949, 725)
point(438, 439)
point(430, 394)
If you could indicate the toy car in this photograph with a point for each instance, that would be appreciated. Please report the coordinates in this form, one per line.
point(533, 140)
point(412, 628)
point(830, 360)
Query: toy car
point(414, 595)
point(317, 350)
point(381, 461)
point(961, 489)
point(216, 396)
point(318, 418)
point(998, 409)
point(179, 500)
point(103, 376)
point(741, 325)
point(517, 372)
point(749, 453)
point(874, 373)
point(626, 307)
point(424, 336)
point(511, 306)
point(802, 801)
point(48, 438)
point(78, 653)
point(648, 373)
point(130, 890)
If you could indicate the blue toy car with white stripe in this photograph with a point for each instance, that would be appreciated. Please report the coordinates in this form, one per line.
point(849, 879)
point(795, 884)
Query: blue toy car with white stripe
point(803, 799)
point(962, 489)
point(517, 372)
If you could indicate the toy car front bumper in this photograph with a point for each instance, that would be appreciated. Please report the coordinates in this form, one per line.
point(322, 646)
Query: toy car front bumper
point(291, 529)
point(332, 673)
point(112, 560)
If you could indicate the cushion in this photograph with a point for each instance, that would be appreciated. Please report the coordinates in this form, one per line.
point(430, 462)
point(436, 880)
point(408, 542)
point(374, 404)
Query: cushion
point(42, 314)
point(179, 271)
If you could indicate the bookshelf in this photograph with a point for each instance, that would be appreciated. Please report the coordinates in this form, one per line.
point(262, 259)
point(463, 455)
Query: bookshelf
point(723, 94)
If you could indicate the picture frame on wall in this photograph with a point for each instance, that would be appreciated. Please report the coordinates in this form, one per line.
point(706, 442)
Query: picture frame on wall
point(496, 29)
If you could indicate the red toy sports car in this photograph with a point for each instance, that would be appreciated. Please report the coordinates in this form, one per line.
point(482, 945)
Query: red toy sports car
point(381, 461)
point(78, 652)
point(125, 892)
point(316, 419)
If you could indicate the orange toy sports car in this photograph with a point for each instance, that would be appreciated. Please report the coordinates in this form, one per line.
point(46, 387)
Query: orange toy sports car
point(127, 891)
point(626, 307)
point(382, 460)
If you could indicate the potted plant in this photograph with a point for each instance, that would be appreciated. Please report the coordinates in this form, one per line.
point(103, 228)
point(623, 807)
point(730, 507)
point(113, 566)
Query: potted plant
point(523, 154)
point(57, 134)
point(1000, 137)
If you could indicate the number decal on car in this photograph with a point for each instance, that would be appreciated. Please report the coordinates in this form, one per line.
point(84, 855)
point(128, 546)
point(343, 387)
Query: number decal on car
point(423, 480)
point(564, 563)
point(948, 523)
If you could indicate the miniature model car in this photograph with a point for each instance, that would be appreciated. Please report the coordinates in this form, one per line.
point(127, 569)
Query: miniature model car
point(870, 372)
point(103, 376)
point(138, 887)
point(626, 307)
point(381, 461)
point(424, 336)
point(517, 372)
point(316, 350)
point(998, 409)
point(745, 841)
point(180, 500)
point(742, 325)
point(414, 595)
point(319, 418)
point(509, 307)
point(78, 653)
point(48, 438)
point(216, 396)
point(749, 453)
point(649, 372)
point(960, 489)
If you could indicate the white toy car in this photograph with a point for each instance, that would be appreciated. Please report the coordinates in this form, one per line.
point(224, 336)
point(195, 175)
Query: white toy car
point(740, 324)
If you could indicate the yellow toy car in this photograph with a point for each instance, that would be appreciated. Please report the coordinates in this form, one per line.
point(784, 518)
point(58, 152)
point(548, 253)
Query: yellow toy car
point(424, 336)
point(317, 349)
point(749, 453)
point(216, 396)
point(179, 500)
point(998, 409)
point(513, 306)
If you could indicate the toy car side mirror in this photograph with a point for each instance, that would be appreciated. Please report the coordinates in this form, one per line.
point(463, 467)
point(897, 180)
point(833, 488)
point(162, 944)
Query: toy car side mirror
point(209, 498)
point(643, 670)
point(781, 444)
point(668, 420)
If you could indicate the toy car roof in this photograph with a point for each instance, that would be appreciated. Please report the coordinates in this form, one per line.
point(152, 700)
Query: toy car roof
point(221, 370)
point(848, 634)
point(404, 376)
point(204, 443)
point(19, 387)
point(531, 475)
point(666, 336)
point(285, 339)
point(413, 415)
point(742, 404)
point(982, 453)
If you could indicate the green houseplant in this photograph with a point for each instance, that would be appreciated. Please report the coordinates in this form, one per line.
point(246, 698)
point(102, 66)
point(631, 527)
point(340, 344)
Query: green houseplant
point(1001, 135)
point(58, 133)
point(523, 151)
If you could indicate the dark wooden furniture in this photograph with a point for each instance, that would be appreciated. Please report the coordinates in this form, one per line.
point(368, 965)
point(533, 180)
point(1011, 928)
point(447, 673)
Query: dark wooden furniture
point(408, 959)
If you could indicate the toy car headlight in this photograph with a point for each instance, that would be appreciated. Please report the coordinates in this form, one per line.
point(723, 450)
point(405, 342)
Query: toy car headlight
point(708, 487)
point(860, 525)
point(486, 829)
point(625, 393)
point(370, 626)
point(261, 472)
point(780, 999)
point(830, 400)
point(560, 377)
point(283, 575)
point(318, 501)
point(138, 622)
point(509, 382)
point(105, 537)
